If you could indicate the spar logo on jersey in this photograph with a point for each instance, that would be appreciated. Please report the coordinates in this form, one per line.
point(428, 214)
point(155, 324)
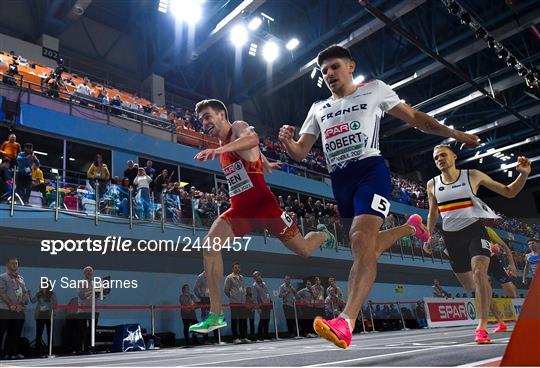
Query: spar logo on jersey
point(340, 129)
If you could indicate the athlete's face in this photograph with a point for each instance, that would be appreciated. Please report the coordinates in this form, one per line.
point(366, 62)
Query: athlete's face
point(534, 246)
point(337, 73)
point(212, 121)
point(444, 158)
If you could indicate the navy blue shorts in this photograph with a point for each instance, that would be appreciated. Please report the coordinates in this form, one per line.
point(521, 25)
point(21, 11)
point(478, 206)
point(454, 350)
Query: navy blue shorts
point(362, 187)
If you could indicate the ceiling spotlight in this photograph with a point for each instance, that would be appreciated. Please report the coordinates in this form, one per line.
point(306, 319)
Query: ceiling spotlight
point(511, 61)
point(502, 54)
point(254, 23)
point(189, 11)
point(239, 35)
point(270, 51)
point(453, 8)
point(490, 42)
point(292, 44)
point(465, 18)
point(480, 33)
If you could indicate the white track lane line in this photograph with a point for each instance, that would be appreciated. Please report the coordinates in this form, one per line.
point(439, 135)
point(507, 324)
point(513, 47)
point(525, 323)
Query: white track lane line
point(330, 363)
point(397, 353)
point(475, 364)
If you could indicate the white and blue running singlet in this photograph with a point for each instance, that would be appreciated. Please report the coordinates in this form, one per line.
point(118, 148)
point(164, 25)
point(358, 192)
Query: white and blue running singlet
point(361, 181)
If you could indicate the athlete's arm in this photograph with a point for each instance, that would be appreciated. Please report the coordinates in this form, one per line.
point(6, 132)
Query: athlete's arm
point(267, 165)
point(433, 214)
point(506, 249)
point(525, 271)
point(510, 190)
point(243, 138)
point(428, 124)
point(297, 150)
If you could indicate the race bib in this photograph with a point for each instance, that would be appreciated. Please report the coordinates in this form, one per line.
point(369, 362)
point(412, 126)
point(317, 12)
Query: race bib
point(344, 142)
point(98, 175)
point(237, 178)
point(27, 170)
point(380, 204)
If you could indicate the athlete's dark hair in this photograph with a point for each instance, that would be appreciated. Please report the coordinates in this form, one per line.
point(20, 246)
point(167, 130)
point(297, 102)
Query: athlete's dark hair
point(532, 240)
point(236, 263)
point(332, 52)
point(215, 105)
point(444, 146)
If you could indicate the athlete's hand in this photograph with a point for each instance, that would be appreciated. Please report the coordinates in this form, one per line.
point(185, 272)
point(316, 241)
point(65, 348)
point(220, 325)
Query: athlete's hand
point(468, 140)
point(269, 166)
point(207, 154)
point(523, 165)
point(286, 133)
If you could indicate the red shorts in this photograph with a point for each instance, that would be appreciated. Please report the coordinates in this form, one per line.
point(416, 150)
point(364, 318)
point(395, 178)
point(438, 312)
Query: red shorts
point(265, 213)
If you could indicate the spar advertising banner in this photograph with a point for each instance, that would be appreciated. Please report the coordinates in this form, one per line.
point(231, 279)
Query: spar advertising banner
point(441, 312)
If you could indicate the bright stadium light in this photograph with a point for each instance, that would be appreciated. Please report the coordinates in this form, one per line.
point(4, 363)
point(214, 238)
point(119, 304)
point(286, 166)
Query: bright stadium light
point(254, 23)
point(292, 44)
point(239, 35)
point(189, 11)
point(270, 51)
point(359, 79)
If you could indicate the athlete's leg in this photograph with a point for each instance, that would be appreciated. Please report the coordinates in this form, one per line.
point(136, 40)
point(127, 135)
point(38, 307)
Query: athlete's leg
point(363, 235)
point(213, 262)
point(466, 279)
point(480, 266)
point(305, 246)
point(387, 238)
point(510, 290)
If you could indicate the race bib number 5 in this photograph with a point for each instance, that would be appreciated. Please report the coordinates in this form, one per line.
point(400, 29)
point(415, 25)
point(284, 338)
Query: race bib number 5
point(380, 204)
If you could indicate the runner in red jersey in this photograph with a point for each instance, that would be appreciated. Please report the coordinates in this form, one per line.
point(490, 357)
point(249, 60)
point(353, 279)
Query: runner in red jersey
point(253, 205)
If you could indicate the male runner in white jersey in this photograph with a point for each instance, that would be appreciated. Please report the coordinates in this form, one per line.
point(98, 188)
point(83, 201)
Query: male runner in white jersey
point(453, 195)
point(349, 122)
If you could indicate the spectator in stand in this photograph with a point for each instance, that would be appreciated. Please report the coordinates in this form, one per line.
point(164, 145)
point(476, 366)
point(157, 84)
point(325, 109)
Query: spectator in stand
point(438, 291)
point(12, 72)
point(116, 104)
point(10, 148)
point(99, 172)
point(332, 284)
point(161, 183)
point(235, 290)
point(261, 295)
point(333, 304)
point(305, 310)
point(6, 175)
point(318, 296)
point(142, 182)
point(421, 314)
point(395, 317)
point(150, 171)
point(103, 97)
point(188, 301)
point(123, 197)
point(25, 160)
point(45, 301)
point(288, 294)
point(14, 297)
point(131, 172)
point(83, 88)
point(38, 182)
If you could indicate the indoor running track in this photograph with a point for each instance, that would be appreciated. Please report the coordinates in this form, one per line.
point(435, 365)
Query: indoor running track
point(435, 347)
